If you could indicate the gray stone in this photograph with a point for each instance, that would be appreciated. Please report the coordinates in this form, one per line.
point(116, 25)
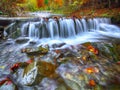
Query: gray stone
point(22, 40)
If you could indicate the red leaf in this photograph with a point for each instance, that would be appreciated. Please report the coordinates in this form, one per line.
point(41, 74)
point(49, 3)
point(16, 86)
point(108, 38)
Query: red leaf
point(2, 82)
point(118, 62)
point(14, 67)
point(5, 80)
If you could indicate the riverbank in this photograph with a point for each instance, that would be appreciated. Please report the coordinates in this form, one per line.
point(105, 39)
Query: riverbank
point(113, 13)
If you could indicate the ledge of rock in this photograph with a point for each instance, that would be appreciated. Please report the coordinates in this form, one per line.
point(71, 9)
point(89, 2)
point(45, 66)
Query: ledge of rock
point(21, 40)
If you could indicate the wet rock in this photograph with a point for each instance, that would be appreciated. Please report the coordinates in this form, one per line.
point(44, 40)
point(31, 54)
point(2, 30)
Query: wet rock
point(35, 50)
point(53, 84)
point(70, 74)
point(5, 22)
point(1, 32)
point(32, 42)
point(22, 40)
point(57, 45)
point(62, 87)
point(87, 76)
point(48, 84)
point(109, 50)
point(7, 85)
point(36, 71)
point(8, 43)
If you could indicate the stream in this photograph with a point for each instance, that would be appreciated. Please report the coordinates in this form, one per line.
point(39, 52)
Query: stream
point(66, 54)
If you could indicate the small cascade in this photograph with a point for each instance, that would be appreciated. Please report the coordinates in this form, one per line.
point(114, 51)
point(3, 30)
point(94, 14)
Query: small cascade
point(24, 29)
point(52, 29)
point(61, 28)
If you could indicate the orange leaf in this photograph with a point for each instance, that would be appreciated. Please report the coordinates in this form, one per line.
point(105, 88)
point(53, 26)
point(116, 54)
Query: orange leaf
point(92, 83)
point(84, 57)
point(92, 49)
point(90, 70)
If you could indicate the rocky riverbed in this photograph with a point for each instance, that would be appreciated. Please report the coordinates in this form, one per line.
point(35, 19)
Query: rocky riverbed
point(84, 66)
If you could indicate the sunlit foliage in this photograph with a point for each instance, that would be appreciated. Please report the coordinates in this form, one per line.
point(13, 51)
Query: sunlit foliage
point(12, 8)
point(59, 2)
point(40, 3)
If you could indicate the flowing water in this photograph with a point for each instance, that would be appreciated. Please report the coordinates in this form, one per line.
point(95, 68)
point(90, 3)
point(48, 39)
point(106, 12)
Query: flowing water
point(63, 30)
point(70, 31)
point(53, 31)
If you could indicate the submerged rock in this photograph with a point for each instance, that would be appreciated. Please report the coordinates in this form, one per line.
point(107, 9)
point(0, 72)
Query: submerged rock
point(32, 42)
point(47, 84)
point(79, 67)
point(71, 75)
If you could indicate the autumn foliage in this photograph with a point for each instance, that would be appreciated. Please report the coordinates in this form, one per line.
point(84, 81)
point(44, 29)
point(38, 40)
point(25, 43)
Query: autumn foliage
point(92, 49)
point(11, 7)
point(40, 3)
point(59, 2)
point(90, 70)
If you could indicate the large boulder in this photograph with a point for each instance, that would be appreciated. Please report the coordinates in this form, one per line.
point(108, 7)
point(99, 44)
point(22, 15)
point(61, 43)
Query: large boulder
point(36, 71)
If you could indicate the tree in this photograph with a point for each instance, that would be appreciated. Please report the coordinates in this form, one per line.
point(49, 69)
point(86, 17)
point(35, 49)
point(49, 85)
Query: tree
point(59, 2)
point(40, 3)
point(46, 2)
point(10, 7)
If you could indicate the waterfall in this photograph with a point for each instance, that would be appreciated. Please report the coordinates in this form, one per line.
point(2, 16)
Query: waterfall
point(61, 28)
point(24, 29)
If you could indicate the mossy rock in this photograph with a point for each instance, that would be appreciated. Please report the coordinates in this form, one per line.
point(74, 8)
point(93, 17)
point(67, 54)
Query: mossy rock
point(36, 50)
point(36, 71)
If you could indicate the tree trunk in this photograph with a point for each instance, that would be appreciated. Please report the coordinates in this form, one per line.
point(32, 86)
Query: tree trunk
point(109, 4)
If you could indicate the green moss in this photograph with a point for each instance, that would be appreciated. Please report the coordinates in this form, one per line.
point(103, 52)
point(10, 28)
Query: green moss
point(105, 15)
point(1, 12)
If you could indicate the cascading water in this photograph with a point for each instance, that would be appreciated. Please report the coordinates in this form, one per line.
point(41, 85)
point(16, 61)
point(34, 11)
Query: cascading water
point(54, 31)
point(67, 30)
point(61, 28)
